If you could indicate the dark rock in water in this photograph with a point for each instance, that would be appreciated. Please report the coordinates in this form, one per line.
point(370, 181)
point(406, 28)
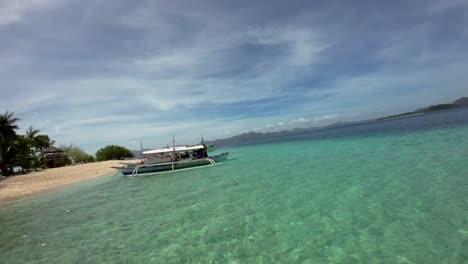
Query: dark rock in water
point(462, 101)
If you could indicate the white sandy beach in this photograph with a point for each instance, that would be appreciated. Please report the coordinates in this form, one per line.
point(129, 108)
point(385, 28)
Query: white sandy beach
point(19, 186)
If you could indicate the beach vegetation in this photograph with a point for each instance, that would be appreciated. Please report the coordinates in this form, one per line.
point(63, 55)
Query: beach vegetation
point(113, 152)
point(34, 147)
point(30, 151)
point(8, 141)
point(77, 154)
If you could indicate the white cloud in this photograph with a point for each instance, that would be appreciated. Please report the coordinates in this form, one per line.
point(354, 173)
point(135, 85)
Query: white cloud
point(304, 44)
point(326, 117)
point(14, 11)
point(300, 120)
point(443, 5)
point(172, 59)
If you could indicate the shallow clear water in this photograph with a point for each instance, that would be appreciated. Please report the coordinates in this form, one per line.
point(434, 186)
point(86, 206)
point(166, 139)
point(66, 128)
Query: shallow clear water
point(393, 198)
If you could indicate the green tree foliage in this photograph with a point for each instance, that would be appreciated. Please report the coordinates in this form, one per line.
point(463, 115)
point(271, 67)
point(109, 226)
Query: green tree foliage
point(112, 152)
point(8, 140)
point(26, 151)
point(31, 133)
point(76, 153)
point(23, 155)
point(37, 144)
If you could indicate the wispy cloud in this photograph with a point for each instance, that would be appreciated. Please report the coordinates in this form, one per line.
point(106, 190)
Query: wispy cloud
point(440, 6)
point(116, 72)
point(300, 120)
point(14, 11)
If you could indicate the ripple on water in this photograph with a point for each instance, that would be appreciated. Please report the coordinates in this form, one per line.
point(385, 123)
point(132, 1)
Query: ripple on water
point(385, 198)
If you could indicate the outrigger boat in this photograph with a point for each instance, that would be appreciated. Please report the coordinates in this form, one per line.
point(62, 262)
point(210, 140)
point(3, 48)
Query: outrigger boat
point(171, 159)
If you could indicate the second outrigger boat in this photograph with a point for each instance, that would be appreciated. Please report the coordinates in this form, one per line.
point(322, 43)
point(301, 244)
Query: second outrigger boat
point(170, 159)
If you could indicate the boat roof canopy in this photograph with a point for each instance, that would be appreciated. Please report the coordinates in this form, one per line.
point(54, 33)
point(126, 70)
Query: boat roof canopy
point(176, 149)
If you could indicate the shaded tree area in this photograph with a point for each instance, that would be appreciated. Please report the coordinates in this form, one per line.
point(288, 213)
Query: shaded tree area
point(25, 151)
point(31, 151)
point(8, 139)
point(77, 154)
point(113, 152)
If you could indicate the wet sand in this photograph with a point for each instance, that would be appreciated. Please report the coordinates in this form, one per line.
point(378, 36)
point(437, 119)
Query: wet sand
point(19, 186)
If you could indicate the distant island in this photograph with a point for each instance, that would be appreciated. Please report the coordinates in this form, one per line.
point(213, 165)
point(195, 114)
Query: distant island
point(462, 102)
point(255, 137)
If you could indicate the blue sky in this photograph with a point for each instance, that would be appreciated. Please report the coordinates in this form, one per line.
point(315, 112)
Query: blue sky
point(94, 73)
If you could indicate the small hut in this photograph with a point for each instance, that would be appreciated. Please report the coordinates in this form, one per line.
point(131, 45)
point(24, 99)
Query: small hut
point(55, 157)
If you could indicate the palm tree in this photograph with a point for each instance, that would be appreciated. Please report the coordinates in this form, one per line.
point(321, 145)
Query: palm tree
point(37, 145)
point(31, 133)
point(31, 157)
point(41, 143)
point(8, 127)
point(8, 124)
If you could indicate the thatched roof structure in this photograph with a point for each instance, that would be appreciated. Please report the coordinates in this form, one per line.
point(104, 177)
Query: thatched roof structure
point(55, 157)
point(53, 150)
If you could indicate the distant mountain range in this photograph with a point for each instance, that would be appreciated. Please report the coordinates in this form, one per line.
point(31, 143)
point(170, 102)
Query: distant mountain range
point(462, 101)
point(259, 137)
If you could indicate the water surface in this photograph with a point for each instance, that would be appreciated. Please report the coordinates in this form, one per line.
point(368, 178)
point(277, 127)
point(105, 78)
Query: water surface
point(373, 198)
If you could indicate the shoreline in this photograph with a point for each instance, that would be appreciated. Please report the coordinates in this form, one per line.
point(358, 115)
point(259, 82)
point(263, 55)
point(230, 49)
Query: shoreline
point(21, 186)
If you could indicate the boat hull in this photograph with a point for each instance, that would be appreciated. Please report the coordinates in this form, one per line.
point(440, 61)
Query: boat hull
point(220, 157)
point(165, 167)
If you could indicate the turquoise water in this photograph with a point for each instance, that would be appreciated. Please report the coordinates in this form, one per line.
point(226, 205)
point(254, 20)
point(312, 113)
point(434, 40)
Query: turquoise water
point(376, 199)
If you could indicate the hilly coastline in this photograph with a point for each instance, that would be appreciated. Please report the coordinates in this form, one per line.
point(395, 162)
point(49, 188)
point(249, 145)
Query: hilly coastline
point(259, 137)
point(462, 102)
